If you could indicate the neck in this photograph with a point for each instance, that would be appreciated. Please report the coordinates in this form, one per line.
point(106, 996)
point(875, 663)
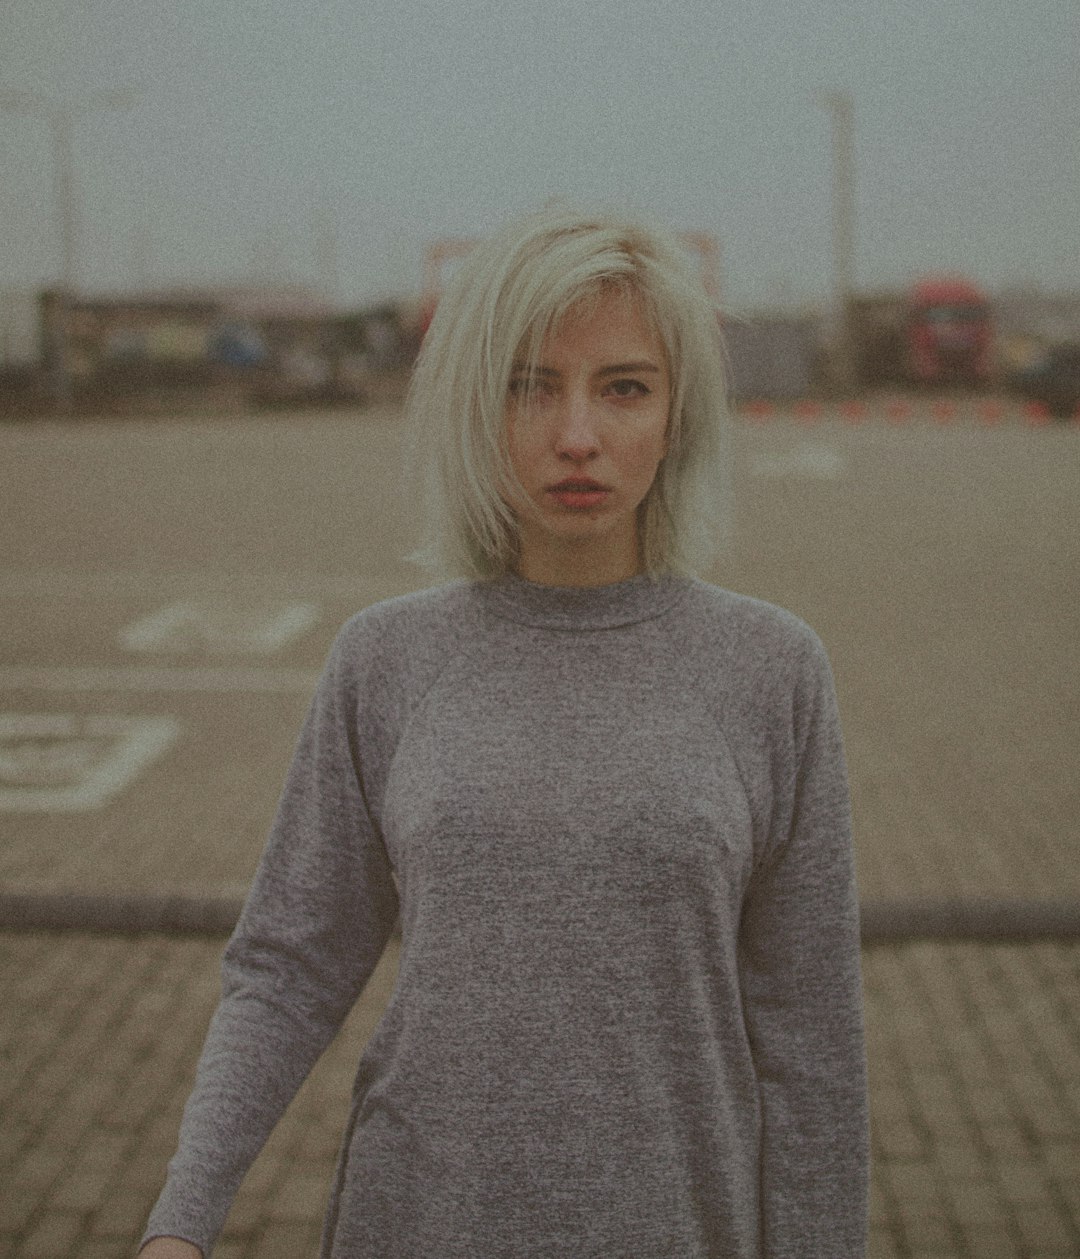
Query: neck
point(579, 565)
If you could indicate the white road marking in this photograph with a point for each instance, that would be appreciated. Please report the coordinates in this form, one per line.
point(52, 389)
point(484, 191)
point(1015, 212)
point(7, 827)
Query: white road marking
point(66, 763)
point(220, 625)
point(151, 678)
point(807, 459)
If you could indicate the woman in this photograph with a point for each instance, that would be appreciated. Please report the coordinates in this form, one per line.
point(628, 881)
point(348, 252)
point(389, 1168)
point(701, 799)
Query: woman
point(608, 801)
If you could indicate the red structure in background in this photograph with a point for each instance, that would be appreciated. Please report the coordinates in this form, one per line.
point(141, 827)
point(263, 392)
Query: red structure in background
point(939, 331)
point(439, 253)
point(949, 332)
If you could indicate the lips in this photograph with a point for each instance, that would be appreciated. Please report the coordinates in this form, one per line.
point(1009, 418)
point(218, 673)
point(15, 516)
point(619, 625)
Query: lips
point(579, 492)
point(578, 484)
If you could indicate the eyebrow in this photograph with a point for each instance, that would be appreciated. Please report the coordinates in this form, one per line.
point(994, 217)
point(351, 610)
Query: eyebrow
point(619, 368)
point(616, 369)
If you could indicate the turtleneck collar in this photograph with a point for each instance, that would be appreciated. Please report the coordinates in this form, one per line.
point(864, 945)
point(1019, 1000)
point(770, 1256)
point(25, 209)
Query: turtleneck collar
point(579, 608)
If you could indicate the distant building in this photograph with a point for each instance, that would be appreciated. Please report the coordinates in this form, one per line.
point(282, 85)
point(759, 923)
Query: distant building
point(19, 331)
point(772, 355)
point(216, 347)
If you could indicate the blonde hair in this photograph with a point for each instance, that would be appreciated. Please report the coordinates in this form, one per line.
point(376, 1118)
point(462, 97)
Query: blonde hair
point(507, 295)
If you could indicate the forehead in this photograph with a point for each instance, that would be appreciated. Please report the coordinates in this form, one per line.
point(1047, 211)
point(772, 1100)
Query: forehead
point(609, 324)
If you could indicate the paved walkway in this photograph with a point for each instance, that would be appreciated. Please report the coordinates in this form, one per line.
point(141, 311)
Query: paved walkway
point(938, 563)
point(975, 1095)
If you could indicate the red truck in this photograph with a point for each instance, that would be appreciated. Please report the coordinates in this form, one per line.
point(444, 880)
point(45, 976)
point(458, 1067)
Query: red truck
point(938, 332)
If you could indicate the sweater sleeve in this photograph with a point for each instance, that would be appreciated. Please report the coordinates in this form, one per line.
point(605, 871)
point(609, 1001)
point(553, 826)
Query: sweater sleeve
point(802, 991)
point(314, 925)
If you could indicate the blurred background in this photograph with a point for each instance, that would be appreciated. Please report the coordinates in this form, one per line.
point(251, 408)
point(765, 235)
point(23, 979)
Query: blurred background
point(264, 198)
point(223, 231)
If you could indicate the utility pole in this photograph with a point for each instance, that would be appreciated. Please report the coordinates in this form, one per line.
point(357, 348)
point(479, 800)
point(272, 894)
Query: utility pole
point(841, 107)
point(60, 118)
point(327, 252)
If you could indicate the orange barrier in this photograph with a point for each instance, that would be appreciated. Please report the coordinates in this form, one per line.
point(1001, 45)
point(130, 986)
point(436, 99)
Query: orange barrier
point(759, 409)
point(808, 409)
point(944, 411)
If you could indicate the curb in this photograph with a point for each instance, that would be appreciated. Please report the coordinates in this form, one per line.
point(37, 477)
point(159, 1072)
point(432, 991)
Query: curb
point(942, 411)
point(119, 915)
point(881, 921)
point(888, 922)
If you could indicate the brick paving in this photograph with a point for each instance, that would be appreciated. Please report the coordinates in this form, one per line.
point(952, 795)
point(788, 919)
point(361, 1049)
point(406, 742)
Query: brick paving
point(937, 561)
point(975, 1099)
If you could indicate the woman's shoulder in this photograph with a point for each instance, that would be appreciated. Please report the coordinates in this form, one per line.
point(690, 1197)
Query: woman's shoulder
point(762, 665)
point(414, 610)
point(719, 611)
point(745, 637)
point(412, 627)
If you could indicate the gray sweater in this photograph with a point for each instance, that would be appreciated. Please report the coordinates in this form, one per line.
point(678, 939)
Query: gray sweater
point(627, 1020)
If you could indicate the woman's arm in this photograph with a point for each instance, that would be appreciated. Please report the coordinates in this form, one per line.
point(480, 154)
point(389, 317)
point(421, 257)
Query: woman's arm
point(319, 913)
point(801, 983)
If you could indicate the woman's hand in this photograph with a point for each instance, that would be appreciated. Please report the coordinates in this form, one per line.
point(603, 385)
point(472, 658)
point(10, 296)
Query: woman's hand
point(169, 1248)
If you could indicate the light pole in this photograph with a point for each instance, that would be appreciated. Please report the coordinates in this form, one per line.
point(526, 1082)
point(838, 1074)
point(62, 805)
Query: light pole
point(60, 118)
point(841, 107)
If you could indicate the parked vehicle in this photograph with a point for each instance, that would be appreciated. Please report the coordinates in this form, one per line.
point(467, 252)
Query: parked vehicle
point(950, 332)
point(938, 332)
point(1054, 380)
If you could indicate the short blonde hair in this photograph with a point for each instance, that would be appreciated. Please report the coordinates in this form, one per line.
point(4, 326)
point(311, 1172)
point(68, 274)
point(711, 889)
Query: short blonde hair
point(508, 293)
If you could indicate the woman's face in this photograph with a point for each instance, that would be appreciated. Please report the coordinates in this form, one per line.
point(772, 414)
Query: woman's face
point(586, 433)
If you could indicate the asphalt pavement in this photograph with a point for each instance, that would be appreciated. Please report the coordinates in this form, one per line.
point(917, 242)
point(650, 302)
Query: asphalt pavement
point(168, 589)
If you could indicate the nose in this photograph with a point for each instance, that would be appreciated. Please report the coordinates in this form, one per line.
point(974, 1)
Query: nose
point(576, 434)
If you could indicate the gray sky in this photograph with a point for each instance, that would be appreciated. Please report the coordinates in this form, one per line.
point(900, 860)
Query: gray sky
point(263, 127)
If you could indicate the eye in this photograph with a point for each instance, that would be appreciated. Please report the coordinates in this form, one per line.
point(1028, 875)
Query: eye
point(627, 387)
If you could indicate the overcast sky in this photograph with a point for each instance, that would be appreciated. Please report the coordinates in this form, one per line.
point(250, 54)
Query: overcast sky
point(264, 131)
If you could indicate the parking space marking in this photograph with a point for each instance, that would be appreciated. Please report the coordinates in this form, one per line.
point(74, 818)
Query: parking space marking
point(68, 763)
point(220, 625)
point(149, 678)
point(807, 459)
